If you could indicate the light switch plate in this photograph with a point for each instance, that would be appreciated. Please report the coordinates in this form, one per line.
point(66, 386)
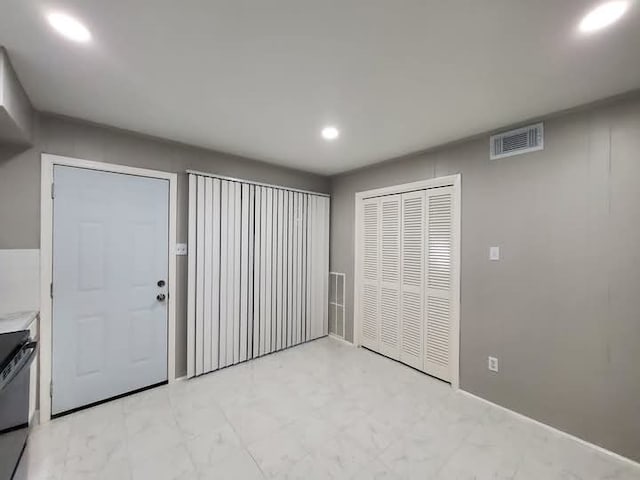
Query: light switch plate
point(181, 249)
point(493, 364)
point(494, 253)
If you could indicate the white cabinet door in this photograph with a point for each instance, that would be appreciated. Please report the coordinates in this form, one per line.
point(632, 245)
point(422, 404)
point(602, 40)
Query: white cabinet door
point(110, 250)
point(412, 264)
point(439, 278)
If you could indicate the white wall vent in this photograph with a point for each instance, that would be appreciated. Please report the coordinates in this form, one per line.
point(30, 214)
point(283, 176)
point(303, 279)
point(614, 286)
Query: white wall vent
point(514, 142)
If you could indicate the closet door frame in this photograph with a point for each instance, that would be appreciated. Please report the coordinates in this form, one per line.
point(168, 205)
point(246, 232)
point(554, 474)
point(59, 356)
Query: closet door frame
point(48, 162)
point(454, 181)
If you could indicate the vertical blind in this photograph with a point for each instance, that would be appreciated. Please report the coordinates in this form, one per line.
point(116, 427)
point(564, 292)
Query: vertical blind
point(258, 270)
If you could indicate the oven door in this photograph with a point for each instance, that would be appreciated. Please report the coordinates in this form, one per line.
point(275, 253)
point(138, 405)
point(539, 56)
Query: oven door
point(14, 410)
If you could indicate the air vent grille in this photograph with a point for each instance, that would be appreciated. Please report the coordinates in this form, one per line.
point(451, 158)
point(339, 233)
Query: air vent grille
point(514, 142)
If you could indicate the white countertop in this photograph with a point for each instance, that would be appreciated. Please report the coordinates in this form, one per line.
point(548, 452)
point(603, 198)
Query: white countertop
point(13, 322)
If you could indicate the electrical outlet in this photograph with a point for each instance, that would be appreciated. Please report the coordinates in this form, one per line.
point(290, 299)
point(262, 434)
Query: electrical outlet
point(181, 249)
point(493, 364)
point(494, 253)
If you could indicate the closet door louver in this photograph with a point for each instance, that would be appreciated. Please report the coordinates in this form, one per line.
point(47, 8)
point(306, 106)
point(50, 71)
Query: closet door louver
point(258, 271)
point(406, 282)
point(369, 295)
point(439, 294)
point(390, 254)
point(412, 265)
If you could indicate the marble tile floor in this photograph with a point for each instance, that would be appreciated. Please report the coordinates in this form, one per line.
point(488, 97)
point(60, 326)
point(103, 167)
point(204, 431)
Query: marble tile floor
point(317, 411)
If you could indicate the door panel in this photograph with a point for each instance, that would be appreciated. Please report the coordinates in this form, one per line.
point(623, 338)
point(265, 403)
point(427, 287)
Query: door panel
point(110, 248)
point(439, 255)
point(390, 254)
point(369, 266)
point(406, 273)
point(413, 232)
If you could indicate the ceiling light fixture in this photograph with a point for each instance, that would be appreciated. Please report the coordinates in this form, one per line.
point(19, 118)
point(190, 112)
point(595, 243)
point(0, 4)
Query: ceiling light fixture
point(330, 133)
point(603, 16)
point(69, 27)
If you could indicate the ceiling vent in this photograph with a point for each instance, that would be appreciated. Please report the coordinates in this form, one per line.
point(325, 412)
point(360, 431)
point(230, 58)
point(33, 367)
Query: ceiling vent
point(514, 142)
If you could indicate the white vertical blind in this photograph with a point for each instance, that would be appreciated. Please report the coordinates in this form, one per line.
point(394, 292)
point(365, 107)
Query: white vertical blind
point(200, 301)
point(258, 270)
point(224, 279)
point(215, 275)
point(208, 274)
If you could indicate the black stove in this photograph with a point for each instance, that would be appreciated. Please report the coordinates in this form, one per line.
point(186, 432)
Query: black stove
point(16, 354)
point(10, 343)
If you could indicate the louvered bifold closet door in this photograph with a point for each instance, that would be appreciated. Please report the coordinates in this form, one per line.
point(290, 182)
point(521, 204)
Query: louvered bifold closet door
point(258, 271)
point(369, 296)
point(412, 267)
point(390, 255)
point(439, 279)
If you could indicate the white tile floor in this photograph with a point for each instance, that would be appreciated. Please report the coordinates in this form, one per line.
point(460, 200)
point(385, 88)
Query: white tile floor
point(320, 410)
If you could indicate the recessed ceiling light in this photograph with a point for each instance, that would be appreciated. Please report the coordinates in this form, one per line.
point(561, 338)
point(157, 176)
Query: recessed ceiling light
point(330, 133)
point(603, 16)
point(69, 27)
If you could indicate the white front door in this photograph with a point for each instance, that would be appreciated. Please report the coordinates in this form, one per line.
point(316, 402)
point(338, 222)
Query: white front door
point(110, 264)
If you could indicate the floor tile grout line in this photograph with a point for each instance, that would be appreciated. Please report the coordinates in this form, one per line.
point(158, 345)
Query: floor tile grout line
point(242, 441)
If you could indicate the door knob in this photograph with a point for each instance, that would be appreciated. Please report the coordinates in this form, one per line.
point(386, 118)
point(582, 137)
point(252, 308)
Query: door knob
point(161, 297)
point(161, 283)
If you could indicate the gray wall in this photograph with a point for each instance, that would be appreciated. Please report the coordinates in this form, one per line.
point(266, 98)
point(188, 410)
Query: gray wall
point(16, 113)
point(561, 309)
point(20, 182)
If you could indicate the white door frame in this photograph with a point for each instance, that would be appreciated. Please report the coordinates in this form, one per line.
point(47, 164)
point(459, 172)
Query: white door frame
point(46, 263)
point(450, 180)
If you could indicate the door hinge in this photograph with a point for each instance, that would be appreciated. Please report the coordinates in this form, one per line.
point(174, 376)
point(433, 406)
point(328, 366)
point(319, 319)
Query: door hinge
point(51, 289)
point(53, 190)
point(51, 389)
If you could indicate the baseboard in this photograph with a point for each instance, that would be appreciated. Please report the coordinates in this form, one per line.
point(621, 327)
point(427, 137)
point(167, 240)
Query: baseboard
point(34, 421)
point(593, 446)
point(340, 339)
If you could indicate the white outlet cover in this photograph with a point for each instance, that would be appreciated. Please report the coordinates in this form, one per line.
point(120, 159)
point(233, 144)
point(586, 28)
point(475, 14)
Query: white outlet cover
point(181, 249)
point(494, 253)
point(493, 364)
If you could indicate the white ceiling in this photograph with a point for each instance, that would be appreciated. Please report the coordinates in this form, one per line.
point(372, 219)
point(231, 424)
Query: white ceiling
point(260, 78)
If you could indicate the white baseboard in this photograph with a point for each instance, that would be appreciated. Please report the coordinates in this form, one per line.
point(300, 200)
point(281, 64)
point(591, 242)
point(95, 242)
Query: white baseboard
point(340, 339)
point(579, 440)
point(34, 421)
